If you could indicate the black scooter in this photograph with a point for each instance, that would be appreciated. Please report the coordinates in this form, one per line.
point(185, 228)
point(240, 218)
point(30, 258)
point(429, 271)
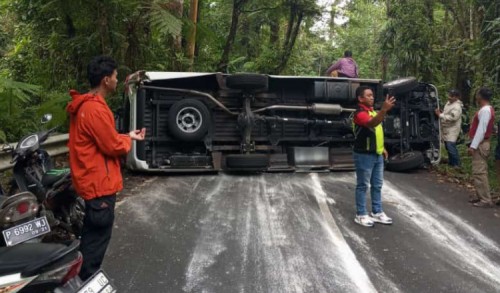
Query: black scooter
point(33, 172)
point(40, 267)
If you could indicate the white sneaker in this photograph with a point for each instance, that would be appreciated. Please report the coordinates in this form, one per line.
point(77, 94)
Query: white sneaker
point(381, 218)
point(364, 220)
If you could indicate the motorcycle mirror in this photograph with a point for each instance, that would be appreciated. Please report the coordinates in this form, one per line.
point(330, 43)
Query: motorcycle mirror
point(46, 118)
point(7, 148)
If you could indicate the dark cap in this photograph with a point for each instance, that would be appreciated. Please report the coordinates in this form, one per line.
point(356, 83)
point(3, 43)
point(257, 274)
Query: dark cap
point(454, 93)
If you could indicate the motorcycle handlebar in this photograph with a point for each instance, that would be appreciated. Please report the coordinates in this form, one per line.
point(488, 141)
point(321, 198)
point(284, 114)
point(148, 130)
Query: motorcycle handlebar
point(14, 158)
point(44, 135)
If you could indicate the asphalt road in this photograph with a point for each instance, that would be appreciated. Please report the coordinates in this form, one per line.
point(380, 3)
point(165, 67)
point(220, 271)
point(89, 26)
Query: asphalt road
point(295, 233)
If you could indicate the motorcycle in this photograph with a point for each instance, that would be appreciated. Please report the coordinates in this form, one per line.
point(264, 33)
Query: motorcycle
point(33, 171)
point(40, 267)
point(18, 221)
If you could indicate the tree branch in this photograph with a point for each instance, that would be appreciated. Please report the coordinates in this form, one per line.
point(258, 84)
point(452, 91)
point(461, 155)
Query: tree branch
point(260, 9)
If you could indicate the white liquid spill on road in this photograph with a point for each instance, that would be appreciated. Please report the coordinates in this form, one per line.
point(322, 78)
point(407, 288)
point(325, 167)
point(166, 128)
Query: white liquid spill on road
point(282, 267)
point(318, 191)
point(278, 242)
point(210, 242)
point(470, 256)
point(448, 231)
point(150, 198)
point(354, 269)
point(375, 266)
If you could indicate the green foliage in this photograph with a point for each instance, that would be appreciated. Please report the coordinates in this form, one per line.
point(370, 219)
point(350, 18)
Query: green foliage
point(164, 21)
point(18, 111)
point(49, 43)
point(13, 93)
point(409, 44)
point(55, 104)
point(360, 35)
point(464, 174)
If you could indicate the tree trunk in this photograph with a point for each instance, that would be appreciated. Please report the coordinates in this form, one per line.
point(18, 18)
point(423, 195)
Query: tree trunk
point(102, 24)
point(137, 37)
point(178, 10)
point(224, 60)
point(191, 41)
point(429, 12)
point(245, 35)
point(385, 62)
point(289, 44)
point(289, 29)
point(274, 36)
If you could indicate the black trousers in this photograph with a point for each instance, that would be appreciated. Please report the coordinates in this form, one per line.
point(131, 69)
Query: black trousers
point(96, 233)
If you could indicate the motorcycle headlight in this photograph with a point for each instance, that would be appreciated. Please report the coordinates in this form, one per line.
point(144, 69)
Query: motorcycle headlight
point(29, 141)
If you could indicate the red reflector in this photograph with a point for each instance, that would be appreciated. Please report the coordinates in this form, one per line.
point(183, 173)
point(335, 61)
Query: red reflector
point(23, 207)
point(74, 270)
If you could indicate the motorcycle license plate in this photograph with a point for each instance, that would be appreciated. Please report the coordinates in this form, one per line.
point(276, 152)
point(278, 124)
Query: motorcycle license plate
point(26, 231)
point(98, 283)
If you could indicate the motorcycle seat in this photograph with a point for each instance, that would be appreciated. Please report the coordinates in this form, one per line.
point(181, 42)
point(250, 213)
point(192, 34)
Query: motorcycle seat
point(54, 175)
point(17, 258)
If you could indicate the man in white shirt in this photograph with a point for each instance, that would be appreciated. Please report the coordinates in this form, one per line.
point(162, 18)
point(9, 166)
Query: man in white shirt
point(451, 122)
point(480, 133)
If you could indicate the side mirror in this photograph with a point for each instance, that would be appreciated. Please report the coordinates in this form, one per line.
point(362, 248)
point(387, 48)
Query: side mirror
point(46, 118)
point(7, 148)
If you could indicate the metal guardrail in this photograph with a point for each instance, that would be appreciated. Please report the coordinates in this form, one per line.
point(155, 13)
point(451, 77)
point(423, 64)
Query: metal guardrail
point(54, 145)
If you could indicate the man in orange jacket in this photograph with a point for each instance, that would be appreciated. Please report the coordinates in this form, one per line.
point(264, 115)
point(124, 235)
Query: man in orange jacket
point(95, 149)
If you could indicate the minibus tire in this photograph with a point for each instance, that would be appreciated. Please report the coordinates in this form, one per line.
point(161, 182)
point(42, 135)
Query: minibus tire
point(248, 82)
point(188, 120)
point(405, 162)
point(401, 86)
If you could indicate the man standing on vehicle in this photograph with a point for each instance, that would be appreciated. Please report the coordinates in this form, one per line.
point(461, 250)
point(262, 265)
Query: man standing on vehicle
point(480, 133)
point(95, 149)
point(451, 123)
point(345, 67)
point(369, 154)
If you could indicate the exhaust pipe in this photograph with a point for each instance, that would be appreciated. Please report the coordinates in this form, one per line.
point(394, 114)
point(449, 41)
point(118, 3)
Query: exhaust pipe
point(329, 109)
point(318, 108)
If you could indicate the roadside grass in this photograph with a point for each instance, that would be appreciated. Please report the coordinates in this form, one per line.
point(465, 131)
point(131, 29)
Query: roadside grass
point(464, 175)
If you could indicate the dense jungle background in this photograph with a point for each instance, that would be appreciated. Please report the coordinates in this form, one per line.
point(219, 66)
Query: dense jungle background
point(45, 45)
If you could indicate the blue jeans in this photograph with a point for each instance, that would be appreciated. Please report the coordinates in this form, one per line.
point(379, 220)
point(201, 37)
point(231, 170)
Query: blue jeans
point(453, 157)
point(369, 171)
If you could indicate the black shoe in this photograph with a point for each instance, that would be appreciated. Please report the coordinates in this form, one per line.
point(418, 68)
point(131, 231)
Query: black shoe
point(474, 201)
point(483, 204)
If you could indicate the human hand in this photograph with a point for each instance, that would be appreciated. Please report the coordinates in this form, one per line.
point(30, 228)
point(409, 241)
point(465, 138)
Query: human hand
point(137, 134)
point(386, 155)
point(470, 151)
point(388, 103)
point(438, 112)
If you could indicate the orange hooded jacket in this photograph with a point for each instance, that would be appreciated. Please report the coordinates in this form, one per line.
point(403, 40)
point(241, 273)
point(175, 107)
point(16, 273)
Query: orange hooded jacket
point(94, 146)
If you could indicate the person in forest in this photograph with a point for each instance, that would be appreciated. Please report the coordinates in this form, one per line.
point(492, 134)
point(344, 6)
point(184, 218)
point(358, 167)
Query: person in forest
point(480, 133)
point(95, 149)
point(344, 67)
point(451, 122)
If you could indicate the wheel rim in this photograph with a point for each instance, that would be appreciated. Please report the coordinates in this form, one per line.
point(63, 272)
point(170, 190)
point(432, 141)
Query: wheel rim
point(189, 119)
